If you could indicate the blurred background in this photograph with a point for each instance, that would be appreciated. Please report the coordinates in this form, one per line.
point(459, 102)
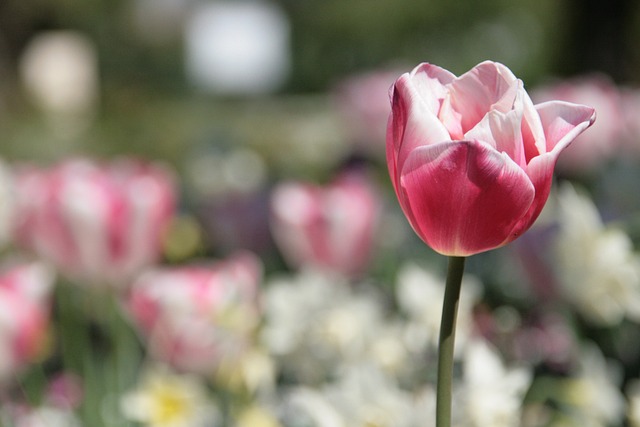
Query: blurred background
point(155, 80)
point(265, 122)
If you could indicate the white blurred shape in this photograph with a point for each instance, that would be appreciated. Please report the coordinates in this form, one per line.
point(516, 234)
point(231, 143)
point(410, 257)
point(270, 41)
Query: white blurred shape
point(59, 71)
point(237, 48)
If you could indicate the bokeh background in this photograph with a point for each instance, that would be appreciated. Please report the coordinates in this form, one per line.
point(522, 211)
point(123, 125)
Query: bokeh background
point(267, 113)
point(148, 100)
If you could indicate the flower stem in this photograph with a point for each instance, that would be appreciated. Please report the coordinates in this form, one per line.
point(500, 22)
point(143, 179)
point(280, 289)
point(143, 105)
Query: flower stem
point(447, 340)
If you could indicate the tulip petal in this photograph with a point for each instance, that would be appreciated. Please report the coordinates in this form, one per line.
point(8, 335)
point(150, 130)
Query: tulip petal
point(463, 197)
point(562, 122)
point(503, 131)
point(533, 138)
point(487, 86)
point(540, 172)
point(431, 83)
point(411, 124)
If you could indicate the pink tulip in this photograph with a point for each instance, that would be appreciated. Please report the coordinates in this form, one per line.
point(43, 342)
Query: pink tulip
point(471, 158)
point(595, 148)
point(100, 223)
point(197, 316)
point(330, 228)
point(363, 102)
point(24, 315)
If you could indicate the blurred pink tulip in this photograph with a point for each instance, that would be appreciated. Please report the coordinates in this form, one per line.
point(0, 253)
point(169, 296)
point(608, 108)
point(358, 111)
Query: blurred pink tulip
point(25, 291)
point(471, 158)
point(363, 102)
point(197, 316)
point(330, 228)
point(595, 148)
point(99, 223)
point(65, 390)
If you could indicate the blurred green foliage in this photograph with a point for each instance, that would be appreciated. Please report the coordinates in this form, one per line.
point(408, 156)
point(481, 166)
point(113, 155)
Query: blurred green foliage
point(332, 38)
point(147, 106)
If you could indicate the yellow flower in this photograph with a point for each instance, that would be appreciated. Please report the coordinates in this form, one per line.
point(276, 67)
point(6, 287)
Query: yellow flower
point(256, 416)
point(249, 372)
point(167, 399)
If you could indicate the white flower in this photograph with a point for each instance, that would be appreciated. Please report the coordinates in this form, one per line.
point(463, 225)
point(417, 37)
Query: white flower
point(363, 396)
point(314, 324)
point(42, 416)
point(492, 392)
point(367, 397)
point(597, 268)
point(256, 416)
point(166, 399)
point(308, 406)
point(593, 393)
point(420, 295)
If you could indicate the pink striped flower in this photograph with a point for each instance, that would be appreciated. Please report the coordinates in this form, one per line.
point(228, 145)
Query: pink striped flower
point(331, 227)
point(100, 223)
point(24, 315)
point(197, 316)
point(471, 158)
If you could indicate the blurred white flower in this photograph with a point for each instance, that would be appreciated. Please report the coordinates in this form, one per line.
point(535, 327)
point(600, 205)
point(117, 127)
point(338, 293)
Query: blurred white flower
point(363, 396)
point(597, 268)
point(43, 416)
point(167, 399)
point(60, 72)
point(238, 48)
point(252, 371)
point(308, 406)
point(593, 394)
point(420, 295)
point(368, 397)
point(256, 416)
point(315, 323)
point(493, 393)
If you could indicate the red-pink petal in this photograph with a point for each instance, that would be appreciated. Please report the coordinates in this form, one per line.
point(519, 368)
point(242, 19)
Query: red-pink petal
point(463, 197)
point(540, 172)
point(563, 121)
point(411, 124)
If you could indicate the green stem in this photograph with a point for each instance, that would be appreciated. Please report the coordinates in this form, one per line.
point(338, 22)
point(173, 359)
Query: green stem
point(447, 340)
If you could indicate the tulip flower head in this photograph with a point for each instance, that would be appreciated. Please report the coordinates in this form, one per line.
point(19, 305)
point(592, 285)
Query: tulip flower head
point(471, 158)
point(25, 291)
point(195, 317)
point(97, 223)
point(331, 228)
